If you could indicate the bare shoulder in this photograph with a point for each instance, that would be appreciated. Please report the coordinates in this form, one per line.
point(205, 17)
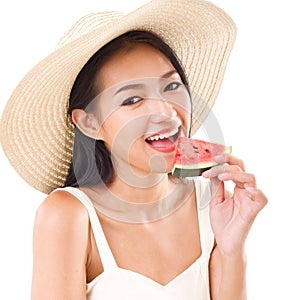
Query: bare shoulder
point(61, 206)
point(60, 247)
point(62, 220)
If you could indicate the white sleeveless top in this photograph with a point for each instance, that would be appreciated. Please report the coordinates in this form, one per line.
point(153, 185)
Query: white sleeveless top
point(116, 283)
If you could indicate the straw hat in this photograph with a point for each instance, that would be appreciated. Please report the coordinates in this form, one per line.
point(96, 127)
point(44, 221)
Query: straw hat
point(36, 134)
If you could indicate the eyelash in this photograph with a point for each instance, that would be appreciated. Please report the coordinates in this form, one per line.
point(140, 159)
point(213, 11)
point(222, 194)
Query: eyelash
point(177, 85)
point(135, 99)
point(131, 100)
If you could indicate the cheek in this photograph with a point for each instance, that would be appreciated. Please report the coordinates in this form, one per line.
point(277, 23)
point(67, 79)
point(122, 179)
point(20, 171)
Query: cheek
point(185, 116)
point(121, 131)
point(181, 102)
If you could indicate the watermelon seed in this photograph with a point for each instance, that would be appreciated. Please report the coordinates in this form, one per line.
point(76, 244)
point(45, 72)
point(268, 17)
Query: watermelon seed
point(207, 151)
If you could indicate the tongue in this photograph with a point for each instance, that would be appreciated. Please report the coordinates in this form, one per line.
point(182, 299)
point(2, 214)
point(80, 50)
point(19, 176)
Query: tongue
point(161, 143)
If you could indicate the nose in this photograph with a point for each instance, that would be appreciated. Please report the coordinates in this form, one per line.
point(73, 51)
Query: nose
point(162, 110)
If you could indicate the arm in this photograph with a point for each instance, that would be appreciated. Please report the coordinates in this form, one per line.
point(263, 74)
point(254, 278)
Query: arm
point(60, 244)
point(227, 276)
point(231, 218)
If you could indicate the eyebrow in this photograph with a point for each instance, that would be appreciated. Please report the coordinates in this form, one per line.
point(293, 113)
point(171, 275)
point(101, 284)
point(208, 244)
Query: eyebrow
point(140, 85)
point(129, 87)
point(169, 74)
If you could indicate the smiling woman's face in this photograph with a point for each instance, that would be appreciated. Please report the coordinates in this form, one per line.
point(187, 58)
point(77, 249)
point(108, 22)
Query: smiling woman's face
point(143, 107)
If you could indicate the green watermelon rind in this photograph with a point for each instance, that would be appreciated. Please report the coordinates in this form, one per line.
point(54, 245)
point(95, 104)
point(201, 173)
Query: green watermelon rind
point(190, 172)
point(194, 170)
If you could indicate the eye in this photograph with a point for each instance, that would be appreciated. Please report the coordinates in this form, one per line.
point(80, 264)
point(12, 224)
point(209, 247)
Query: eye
point(131, 100)
point(172, 86)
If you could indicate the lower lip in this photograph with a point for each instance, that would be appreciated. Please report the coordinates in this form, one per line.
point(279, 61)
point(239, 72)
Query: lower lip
point(165, 148)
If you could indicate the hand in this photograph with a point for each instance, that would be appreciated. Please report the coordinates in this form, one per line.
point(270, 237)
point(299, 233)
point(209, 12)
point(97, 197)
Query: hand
point(232, 215)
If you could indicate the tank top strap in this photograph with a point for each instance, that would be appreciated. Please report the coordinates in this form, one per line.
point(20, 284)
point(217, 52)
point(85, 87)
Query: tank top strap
point(203, 195)
point(107, 258)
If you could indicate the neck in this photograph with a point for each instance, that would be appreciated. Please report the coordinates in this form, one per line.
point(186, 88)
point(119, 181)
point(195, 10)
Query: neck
point(137, 186)
point(141, 190)
point(125, 203)
point(140, 198)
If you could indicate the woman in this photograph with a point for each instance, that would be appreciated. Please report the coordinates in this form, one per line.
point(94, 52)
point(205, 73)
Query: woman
point(122, 226)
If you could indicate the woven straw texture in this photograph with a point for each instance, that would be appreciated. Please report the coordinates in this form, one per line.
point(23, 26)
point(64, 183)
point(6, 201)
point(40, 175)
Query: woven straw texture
point(35, 133)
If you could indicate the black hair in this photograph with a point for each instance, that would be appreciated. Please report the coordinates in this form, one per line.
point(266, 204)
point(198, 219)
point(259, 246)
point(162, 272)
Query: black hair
point(91, 161)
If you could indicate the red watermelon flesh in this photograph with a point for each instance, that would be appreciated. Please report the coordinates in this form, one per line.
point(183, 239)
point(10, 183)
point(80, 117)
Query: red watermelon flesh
point(193, 157)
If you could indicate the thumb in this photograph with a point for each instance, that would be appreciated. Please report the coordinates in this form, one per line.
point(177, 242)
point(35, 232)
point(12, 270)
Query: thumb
point(217, 190)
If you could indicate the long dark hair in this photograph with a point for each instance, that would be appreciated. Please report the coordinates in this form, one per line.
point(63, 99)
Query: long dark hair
point(91, 161)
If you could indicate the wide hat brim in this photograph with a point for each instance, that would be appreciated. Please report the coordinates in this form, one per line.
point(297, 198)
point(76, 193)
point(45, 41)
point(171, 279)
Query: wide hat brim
point(35, 132)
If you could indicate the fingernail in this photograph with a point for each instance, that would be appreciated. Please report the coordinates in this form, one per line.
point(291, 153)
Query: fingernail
point(250, 189)
point(206, 173)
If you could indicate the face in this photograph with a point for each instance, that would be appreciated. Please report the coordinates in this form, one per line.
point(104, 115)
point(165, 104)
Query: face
point(143, 107)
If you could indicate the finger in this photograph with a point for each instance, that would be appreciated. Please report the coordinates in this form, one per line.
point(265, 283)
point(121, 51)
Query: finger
point(229, 159)
point(215, 171)
point(257, 195)
point(259, 200)
point(227, 194)
point(241, 179)
point(217, 191)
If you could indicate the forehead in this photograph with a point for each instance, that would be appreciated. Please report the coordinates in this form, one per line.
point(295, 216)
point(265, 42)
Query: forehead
point(141, 61)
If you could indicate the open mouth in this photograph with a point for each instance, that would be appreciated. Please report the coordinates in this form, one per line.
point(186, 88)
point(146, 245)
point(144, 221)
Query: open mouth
point(164, 142)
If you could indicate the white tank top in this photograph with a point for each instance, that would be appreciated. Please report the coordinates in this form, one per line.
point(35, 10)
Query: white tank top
point(116, 283)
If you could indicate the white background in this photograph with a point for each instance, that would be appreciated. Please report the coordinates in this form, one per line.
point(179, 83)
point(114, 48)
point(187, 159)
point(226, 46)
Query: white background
point(256, 109)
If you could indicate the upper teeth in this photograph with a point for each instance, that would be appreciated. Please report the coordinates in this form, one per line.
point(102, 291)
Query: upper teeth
point(163, 135)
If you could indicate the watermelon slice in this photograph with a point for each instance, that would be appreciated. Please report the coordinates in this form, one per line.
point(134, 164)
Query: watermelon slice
point(193, 157)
